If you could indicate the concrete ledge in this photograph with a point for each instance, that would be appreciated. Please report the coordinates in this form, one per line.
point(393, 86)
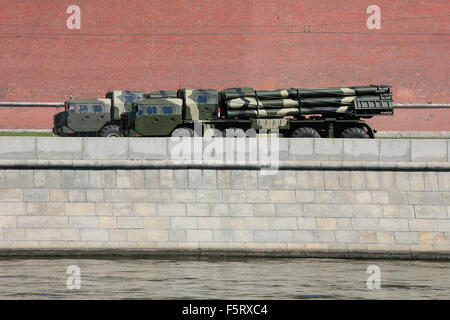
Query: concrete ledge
point(403, 150)
point(225, 253)
point(209, 164)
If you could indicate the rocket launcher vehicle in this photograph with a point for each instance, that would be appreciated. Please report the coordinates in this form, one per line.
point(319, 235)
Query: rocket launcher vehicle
point(344, 102)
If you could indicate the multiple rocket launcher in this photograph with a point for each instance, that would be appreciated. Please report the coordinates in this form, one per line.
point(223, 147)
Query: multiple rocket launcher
point(250, 103)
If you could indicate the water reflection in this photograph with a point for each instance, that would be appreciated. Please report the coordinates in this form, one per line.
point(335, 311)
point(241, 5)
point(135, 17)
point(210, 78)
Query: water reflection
point(192, 278)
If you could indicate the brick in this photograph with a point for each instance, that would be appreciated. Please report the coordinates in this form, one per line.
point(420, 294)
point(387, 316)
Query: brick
point(184, 222)
point(380, 197)
point(317, 180)
point(367, 236)
point(114, 195)
point(105, 148)
point(36, 208)
point(234, 196)
point(33, 222)
point(373, 180)
point(422, 225)
point(417, 181)
point(200, 235)
point(209, 178)
point(151, 179)
point(157, 222)
point(12, 208)
point(264, 210)
point(365, 224)
point(326, 223)
point(122, 209)
point(306, 223)
point(303, 179)
point(137, 195)
point(431, 238)
point(11, 195)
point(242, 236)
point(40, 178)
point(302, 236)
point(197, 209)
point(195, 178)
point(107, 222)
point(77, 196)
point(136, 235)
point(306, 196)
point(94, 235)
point(129, 222)
point(79, 209)
point(257, 196)
point(288, 210)
point(250, 180)
point(242, 210)
point(272, 236)
point(83, 222)
point(209, 223)
point(8, 221)
point(388, 224)
point(331, 180)
point(400, 211)
point(43, 234)
point(324, 196)
point(171, 209)
point(430, 181)
point(323, 236)
point(81, 179)
point(387, 181)
point(17, 147)
point(35, 195)
point(358, 180)
point(345, 236)
point(223, 235)
point(327, 210)
point(160, 195)
point(425, 198)
point(178, 235)
point(385, 237)
point(430, 211)
point(209, 195)
point(284, 180)
point(398, 197)
point(282, 196)
point(58, 195)
point(444, 181)
point(282, 223)
point(137, 179)
point(218, 209)
point(148, 149)
point(363, 196)
point(95, 195)
point(123, 179)
point(14, 234)
point(367, 210)
point(345, 197)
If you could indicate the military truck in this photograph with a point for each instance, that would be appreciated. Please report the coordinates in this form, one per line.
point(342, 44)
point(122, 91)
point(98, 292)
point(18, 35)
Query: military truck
point(95, 117)
point(330, 112)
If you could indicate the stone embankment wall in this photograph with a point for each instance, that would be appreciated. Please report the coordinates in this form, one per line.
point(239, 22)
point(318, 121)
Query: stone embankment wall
point(325, 197)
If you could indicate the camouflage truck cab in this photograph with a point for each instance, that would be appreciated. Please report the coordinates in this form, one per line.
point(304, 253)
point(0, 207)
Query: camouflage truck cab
point(82, 116)
point(153, 117)
point(94, 117)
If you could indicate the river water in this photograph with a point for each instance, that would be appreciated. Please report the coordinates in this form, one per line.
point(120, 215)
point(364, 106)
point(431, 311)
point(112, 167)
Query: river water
point(208, 278)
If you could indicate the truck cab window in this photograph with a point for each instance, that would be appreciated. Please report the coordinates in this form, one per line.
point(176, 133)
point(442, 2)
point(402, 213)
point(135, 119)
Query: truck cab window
point(128, 98)
point(151, 110)
point(202, 98)
point(97, 108)
point(140, 110)
point(82, 108)
point(167, 110)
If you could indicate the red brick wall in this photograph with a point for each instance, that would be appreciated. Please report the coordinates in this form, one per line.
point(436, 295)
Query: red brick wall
point(152, 45)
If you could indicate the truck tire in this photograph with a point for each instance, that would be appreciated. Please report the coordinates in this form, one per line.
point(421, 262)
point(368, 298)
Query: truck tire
point(355, 133)
point(183, 132)
point(111, 131)
point(305, 132)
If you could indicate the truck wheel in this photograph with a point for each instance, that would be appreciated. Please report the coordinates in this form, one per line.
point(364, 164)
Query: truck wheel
point(183, 132)
point(111, 131)
point(234, 132)
point(356, 133)
point(305, 132)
